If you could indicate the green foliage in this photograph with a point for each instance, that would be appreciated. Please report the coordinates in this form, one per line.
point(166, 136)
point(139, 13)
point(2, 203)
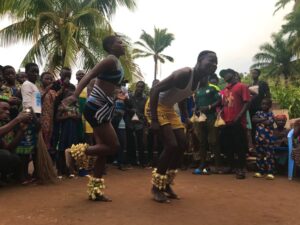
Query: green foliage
point(277, 58)
point(246, 79)
point(294, 109)
point(61, 31)
point(282, 3)
point(154, 46)
point(288, 98)
point(292, 29)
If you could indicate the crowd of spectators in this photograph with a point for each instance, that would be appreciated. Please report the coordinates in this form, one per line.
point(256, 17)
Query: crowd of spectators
point(30, 102)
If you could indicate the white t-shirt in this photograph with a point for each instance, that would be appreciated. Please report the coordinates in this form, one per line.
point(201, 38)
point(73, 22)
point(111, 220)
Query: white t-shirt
point(31, 96)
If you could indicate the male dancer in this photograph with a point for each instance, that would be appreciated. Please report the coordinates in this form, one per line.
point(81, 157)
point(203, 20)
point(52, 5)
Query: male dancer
point(174, 89)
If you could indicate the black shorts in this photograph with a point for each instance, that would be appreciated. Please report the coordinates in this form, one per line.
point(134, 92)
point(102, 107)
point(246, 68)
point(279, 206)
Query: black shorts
point(90, 111)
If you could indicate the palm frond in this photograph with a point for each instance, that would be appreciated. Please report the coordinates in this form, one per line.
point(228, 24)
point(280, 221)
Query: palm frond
point(171, 59)
point(15, 32)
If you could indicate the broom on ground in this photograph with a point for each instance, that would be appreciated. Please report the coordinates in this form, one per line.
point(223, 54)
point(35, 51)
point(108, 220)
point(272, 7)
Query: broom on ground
point(45, 171)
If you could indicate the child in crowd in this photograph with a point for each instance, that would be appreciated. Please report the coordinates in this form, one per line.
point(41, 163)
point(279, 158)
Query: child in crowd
point(281, 141)
point(264, 138)
point(280, 133)
point(70, 119)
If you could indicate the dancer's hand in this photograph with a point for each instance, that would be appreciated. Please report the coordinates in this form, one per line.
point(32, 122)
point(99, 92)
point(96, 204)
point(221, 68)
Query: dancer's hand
point(69, 100)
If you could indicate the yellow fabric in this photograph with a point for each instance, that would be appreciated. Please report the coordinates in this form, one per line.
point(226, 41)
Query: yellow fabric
point(88, 128)
point(83, 93)
point(166, 115)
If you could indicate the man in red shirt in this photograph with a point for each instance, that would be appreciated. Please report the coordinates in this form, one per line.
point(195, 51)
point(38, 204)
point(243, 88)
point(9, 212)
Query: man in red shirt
point(235, 102)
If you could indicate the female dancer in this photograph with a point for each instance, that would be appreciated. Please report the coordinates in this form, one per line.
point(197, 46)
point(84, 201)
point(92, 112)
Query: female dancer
point(99, 111)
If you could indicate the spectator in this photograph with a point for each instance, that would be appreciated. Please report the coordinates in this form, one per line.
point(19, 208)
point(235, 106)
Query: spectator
point(47, 116)
point(136, 124)
point(264, 121)
point(236, 97)
point(258, 90)
point(281, 141)
point(70, 119)
point(280, 132)
point(11, 90)
point(60, 86)
point(119, 125)
point(10, 163)
point(31, 100)
point(207, 99)
point(21, 77)
point(2, 96)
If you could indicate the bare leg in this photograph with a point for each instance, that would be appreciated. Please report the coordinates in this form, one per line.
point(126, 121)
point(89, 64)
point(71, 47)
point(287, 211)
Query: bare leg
point(170, 148)
point(176, 161)
point(106, 144)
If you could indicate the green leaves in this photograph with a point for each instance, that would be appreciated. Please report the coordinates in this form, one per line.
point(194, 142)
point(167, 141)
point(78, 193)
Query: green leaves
point(61, 31)
point(154, 46)
point(277, 58)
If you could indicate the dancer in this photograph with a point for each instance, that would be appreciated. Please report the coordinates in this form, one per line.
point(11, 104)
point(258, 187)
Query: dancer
point(99, 111)
point(174, 89)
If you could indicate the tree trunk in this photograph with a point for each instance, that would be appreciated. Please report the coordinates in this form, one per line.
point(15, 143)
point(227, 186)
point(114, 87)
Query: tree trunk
point(155, 66)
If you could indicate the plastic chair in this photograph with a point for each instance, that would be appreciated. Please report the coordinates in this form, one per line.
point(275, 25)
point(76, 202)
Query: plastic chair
point(289, 149)
point(291, 161)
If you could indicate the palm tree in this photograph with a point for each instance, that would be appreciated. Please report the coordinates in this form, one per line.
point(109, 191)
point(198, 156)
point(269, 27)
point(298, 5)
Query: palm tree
point(154, 46)
point(292, 29)
point(282, 3)
point(277, 58)
point(61, 31)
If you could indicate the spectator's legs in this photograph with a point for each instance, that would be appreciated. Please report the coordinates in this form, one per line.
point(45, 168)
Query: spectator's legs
point(260, 161)
point(213, 141)
point(131, 147)
point(201, 132)
point(139, 135)
point(270, 160)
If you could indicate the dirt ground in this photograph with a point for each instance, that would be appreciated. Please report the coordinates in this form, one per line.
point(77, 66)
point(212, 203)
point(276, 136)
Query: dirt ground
point(207, 200)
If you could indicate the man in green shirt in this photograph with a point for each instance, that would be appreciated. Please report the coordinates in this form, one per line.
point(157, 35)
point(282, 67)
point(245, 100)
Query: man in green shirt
point(207, 98)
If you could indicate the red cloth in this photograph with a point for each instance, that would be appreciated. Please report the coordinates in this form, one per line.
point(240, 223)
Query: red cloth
point(281, 117)
point(234, 98)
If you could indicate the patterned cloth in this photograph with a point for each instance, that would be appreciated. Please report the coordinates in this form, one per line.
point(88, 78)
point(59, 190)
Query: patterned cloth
point(105, 105)
point(47, 115)
point(265, 143)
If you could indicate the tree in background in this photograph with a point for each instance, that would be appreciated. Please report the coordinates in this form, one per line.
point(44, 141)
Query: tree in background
point(282, 3)
point(292, 29)
point(61, 31)
point(154, 46)
point(277, 59)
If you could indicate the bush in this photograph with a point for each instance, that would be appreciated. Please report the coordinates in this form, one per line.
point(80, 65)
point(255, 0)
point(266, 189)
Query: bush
point(287, 98)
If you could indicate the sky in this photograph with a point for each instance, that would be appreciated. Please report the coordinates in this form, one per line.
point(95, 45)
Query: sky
point(234, 29)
